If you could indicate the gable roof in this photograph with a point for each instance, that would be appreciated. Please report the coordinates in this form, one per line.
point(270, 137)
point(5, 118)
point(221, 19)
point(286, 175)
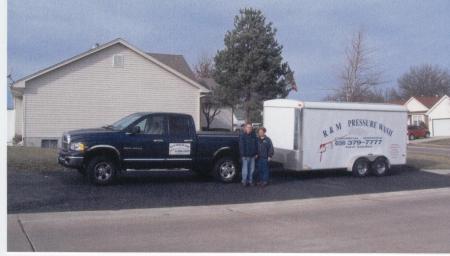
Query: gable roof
point(209, 83)
point(428, 101)
point(176, 62)
point(182, 73)
point(437, 104)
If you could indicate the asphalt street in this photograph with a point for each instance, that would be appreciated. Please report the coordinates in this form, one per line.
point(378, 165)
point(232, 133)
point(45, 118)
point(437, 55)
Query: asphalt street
point(317, 211)
point(406, 221)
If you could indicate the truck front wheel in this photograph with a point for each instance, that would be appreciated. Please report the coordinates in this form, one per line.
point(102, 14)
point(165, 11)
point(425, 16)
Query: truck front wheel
point(361, 167)
point(101, 170)
point(225, 169)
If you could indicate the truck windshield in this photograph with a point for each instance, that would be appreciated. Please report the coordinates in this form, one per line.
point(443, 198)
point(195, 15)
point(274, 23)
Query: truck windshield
point(125, 122)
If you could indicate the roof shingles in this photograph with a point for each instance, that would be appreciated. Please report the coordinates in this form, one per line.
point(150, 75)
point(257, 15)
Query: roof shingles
point(176, 62)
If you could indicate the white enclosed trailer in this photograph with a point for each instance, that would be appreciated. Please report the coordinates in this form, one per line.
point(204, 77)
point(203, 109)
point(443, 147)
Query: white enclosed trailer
point(358, 137)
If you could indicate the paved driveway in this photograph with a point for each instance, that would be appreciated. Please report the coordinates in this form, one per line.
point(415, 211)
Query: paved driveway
point(66, 190)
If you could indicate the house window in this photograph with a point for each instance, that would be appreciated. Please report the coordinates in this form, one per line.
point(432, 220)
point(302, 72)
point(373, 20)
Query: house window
point(418, 119)
point(118, 61)
point(49, 143)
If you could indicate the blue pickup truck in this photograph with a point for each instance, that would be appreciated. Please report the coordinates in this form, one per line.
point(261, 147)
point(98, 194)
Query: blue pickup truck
point(150, 141)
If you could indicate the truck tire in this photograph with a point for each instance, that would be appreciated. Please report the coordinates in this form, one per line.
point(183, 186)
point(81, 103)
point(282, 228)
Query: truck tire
point(361, 167)
point(411, 137)
point(101, 170)
point(225, 169)
point(380, 166)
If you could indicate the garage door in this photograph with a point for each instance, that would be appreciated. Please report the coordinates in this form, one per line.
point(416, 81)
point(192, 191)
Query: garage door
point(441, 127)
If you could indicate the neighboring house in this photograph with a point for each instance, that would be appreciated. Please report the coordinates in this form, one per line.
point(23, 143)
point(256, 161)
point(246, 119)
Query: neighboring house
point(11, 123)
point(100, 86)
point(434, 112)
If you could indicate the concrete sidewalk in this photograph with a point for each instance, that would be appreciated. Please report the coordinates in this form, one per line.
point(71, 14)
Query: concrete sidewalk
point(407, 221)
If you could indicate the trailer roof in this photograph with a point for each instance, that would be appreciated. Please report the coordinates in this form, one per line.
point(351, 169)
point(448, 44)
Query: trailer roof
point(287, 103)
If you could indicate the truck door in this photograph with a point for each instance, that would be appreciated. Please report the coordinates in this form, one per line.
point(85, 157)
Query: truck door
point(149, 148)
point(182, 137)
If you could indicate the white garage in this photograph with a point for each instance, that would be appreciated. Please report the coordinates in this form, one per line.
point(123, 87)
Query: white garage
point(439, 117)
point(441, 127)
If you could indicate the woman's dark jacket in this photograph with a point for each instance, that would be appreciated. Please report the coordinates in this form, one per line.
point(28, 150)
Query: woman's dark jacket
point(265, 148)
point(248, 144)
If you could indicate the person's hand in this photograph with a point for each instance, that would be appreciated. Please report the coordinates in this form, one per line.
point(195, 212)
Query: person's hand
point(270, 158)
point(256, 156)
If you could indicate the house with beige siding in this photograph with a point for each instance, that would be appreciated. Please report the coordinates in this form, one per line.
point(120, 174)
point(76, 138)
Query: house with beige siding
point(433, 112)
point(100, 86)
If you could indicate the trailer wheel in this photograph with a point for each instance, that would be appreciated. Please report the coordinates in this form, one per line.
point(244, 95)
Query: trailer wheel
point(101, 170)
point(361, 167)
point(380, 166)
point(225, 169)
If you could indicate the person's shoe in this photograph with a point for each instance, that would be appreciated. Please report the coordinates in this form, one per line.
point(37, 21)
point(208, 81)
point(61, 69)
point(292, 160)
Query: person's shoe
point(264, 184)
point(252, 184)
point(245, 184)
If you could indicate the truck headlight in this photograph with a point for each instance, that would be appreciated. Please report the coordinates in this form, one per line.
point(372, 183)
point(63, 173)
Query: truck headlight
point(77, 146)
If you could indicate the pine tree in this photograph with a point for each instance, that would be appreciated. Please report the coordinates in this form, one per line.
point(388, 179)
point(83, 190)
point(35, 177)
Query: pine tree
point(250, 68)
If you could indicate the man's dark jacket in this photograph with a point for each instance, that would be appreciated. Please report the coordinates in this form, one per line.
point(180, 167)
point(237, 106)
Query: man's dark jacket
point(265, 148)
point(248, 144)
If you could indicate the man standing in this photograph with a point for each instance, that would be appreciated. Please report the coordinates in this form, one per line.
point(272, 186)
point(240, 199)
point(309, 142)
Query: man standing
point(265, 153)
point(248, 148)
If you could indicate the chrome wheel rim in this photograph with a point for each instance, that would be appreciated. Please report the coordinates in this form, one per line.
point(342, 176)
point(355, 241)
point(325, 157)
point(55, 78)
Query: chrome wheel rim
point(361, 167)
point(103, 171)
point(227, 170)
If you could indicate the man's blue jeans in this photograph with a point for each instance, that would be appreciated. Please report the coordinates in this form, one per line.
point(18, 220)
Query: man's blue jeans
point(263, 169)
point(248, 167)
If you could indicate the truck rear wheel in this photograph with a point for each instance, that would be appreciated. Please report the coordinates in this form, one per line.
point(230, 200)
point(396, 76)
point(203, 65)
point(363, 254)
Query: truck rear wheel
point(225, 169)
point(101, 170)
point(380, 166)
point(361, 167)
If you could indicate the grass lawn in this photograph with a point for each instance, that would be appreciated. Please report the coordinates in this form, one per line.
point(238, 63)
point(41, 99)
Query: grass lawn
point(427, 161)
point(32, 158)
point(443, 142)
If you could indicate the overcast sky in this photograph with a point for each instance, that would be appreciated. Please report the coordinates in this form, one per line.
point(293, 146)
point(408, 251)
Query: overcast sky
point(314, 33)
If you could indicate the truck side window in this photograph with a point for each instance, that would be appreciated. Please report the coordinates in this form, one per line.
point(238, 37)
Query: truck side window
point(155, 125)
point(142, 124)
point(179, 126)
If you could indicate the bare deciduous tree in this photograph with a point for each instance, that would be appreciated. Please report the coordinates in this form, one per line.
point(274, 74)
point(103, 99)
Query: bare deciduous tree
point(204, 67)
point(424, 80)
point(359, 76)
point(210, 108)
point(211, 103)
